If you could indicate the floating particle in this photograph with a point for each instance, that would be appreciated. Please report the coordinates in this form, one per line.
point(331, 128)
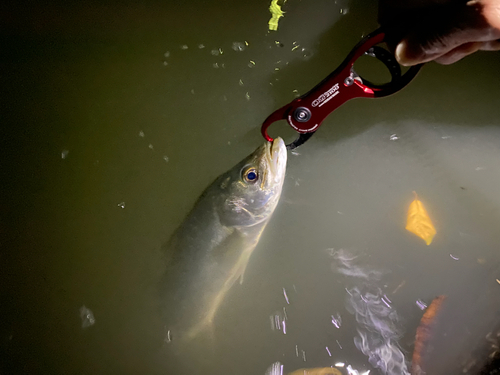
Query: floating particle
point(238, 46)
point(286, 297)
point(221, 51)
point(275, 369)
point(393, 137)
point(344, 11)
point(64, 154)
point(184, 47)
point(304, 355)
point(278, 43)
point(165, 157)
point(307, 55)
point(121, 204)
point(201, 46)
point(241, 82)
point(454, 257)
point(215, 65)
point(167, 54)
point(421, 305)
point(192, 91)
point(223, 66)
point(87, 317)
point(386, 301)
point(328, 351)
point(247, 96)
point(165, 63)
point(294, 48)
point(141, 134)
point(251, 64)
point(316, 371)
point(446, 137)
point(480, 168)
point(229, 143)
point(168, 339)
point(150, 146)
point(215, 52)
point(276, 69)
point(224, 97)
point(352, 371)
point(339, 364)
point(246, 43)
point(336, 320)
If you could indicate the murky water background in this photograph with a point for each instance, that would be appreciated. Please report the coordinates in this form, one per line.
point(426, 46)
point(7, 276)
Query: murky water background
point(115, 118)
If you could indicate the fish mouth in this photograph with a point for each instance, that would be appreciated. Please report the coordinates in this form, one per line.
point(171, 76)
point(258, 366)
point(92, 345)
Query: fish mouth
point(274, 154)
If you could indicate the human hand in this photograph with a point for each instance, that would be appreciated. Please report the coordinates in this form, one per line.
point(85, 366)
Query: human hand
point(441, 30)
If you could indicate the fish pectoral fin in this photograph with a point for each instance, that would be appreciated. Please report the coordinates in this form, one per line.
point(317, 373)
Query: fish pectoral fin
point(245, 255)
point(244, 263)
point(204, 326)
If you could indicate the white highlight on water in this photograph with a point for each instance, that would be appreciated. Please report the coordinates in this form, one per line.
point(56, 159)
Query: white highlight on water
point(378, 328)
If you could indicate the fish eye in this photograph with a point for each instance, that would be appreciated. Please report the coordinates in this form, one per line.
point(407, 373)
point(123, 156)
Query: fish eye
point(250, 175)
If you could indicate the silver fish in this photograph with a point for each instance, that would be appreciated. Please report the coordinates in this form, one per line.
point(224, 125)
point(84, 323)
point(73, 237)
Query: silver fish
point(210, 250)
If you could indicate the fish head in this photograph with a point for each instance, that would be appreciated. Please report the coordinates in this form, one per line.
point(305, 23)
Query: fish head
point(251, 190)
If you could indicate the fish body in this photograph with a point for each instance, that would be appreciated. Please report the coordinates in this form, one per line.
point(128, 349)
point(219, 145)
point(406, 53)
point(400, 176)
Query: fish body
point(209, 252)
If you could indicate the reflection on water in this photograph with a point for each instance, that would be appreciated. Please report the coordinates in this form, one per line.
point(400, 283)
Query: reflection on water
point(378, 331)
point(113, 129)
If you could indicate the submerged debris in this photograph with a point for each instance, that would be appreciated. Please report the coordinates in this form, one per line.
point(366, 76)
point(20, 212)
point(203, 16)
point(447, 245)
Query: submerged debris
point(423, 334)
point(238, 46)
point(87, 317)
point(393, 137)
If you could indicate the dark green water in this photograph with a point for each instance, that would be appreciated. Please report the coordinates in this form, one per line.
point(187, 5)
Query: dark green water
point(112, 128)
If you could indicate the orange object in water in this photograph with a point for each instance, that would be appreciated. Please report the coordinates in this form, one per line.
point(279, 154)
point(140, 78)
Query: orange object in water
point(424, 334)
point(419, 222)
